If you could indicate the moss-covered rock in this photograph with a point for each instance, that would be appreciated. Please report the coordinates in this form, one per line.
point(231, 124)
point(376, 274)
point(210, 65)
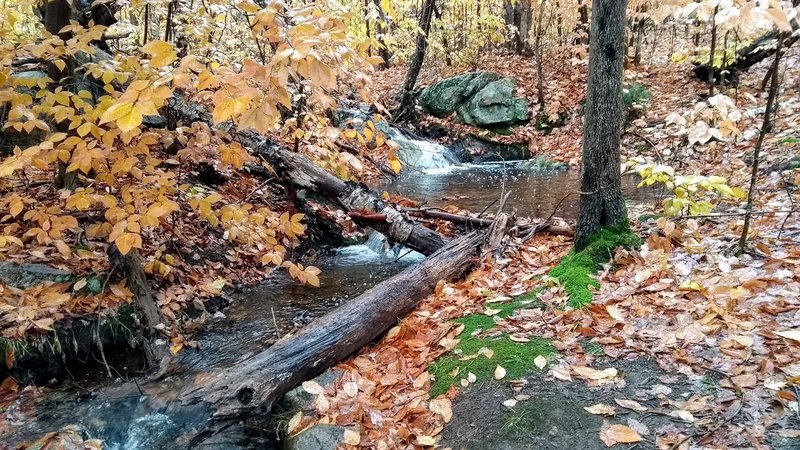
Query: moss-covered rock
point(482, 99)
point(576, 270)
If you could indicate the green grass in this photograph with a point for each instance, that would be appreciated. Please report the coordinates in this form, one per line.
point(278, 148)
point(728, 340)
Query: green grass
point(575, 271)
point(516, 357)
point(635, 94)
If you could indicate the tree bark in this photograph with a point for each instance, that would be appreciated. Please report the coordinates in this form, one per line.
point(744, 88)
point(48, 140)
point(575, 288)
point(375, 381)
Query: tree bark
point(304, 174)
point(601, 201)
point(252, 387)
point(539, 71)
point(406, 108)
point(519, 14)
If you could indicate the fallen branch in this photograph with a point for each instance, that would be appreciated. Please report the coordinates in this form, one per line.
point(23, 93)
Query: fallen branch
point(304, 174)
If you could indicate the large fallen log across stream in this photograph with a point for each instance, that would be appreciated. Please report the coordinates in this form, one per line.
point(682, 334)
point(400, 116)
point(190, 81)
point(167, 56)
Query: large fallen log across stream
point(251, 388)
point(304, 174)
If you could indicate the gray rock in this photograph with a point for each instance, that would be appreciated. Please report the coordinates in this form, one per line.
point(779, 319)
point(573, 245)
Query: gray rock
point(480, 98)
point(444, 97)
point(298, 399)
point(318, 437)
point(495, 105)
point(24, 276)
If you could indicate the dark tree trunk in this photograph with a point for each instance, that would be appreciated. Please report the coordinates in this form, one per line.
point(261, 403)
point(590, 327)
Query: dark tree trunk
point(538, 49)
point(406, 108)
point(519, 15)
point(583, 24)
point(601, 201)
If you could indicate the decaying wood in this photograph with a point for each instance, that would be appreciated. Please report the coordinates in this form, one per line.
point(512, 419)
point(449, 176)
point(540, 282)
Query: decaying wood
point(252, 387)
point(760, 49)
point(497, 233)
point(304, 174)
point(155, 346)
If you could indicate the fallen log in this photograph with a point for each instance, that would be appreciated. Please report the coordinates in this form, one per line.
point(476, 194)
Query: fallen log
point(479, 222)
point(304, 174)
point(252, 387)
point(762, 48)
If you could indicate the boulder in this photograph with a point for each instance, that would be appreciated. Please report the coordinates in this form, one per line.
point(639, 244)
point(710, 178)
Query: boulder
point(24, 276)
point(318, 437)
point(480, 98)
point(444, 97)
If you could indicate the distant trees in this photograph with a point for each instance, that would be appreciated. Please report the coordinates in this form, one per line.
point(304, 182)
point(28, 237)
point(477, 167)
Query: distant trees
point(406, 107)
point(601, 202)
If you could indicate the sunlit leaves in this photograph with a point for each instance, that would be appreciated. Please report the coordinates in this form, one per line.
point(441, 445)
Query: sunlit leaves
point(161, 53)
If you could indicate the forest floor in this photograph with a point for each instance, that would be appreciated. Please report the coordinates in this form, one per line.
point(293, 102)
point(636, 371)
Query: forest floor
point(684, 346)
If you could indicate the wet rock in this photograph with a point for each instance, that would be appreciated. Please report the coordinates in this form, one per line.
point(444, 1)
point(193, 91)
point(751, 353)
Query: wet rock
point(154, 122)
point(24, 276)
point(480, 98)
point(485, 150)
point(318, 437)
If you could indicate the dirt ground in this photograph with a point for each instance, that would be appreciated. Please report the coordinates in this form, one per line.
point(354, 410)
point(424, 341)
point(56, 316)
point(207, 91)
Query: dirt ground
point(554, 416)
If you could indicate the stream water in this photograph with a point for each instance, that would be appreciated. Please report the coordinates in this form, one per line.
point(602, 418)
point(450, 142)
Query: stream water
point(128, 416)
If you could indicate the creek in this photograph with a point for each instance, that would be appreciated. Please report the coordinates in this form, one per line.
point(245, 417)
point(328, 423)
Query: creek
point(128, 416)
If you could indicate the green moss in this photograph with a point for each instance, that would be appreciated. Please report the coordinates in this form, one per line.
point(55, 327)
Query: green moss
point(575, 271)
point(592, 348)
point(516, 357)
point(635, 94)
point(546, 126)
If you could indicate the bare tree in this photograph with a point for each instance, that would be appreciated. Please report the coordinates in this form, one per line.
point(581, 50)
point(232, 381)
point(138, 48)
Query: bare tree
point(406, 108)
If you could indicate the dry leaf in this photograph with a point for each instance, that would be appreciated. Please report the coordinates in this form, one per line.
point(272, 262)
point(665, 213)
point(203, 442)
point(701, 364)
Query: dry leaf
point(350, 388)
point(630, 404)
point(601, 409)
point(351, 437)
point(616, 434)
point(426, 441)
point(540, 362)
point(594, 374)
point(442, 407)
point(294, 422)
point(790, 334)
point(615, 313)
point(499, 373)
point(313, 388)
point(510, 403)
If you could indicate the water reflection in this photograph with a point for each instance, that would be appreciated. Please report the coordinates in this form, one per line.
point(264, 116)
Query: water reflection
point(534, 193)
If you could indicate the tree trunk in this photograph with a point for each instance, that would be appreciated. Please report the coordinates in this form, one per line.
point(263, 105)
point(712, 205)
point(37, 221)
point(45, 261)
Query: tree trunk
point(601, 201)
point(406, 108)
point(713, 51)
point(251, 388)
point(539, 72)
point(383, 29)
point(304, 174)
point(518, 15)
point(766, 127)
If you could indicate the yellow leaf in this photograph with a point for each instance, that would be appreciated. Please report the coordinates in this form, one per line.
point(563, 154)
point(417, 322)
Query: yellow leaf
point(128, 241)
point(116, 112)
point(130, 121)
point(395, 165)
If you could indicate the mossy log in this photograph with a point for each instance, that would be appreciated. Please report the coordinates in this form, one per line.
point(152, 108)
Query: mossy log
point(304, 174)
point(249, 389)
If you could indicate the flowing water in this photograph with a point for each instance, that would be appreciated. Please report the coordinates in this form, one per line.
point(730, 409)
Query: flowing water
point(129, 416)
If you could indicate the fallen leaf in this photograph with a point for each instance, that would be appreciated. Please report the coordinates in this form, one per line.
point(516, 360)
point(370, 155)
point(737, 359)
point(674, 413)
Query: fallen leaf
point(594, 374)
point(540, 362)
point(312, 387)
point(510, 403)
point(615, 313)
point(350, 388)
point(499, 372)
point(426, 441)
point(487, 352)
point(294, 422)
point(790, 334)
point(442, 407)
point(745, 380)
point(616, 434)
point(352, 437)
point(630, 404)
point(601, 409)
point(638, 427)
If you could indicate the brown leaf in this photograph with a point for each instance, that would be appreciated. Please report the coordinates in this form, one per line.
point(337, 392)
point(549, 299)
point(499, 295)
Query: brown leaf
point(616, 434)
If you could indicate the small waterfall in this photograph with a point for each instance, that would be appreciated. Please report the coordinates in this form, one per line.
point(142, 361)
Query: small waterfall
point(422, 154)
point(414, 152)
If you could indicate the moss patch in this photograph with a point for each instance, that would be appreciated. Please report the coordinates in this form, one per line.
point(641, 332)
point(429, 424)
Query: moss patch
point(516, 357)
point(575, 271)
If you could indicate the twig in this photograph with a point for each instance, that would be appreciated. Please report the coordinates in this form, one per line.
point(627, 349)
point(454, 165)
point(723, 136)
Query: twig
point(102, 352)
point(709, 432)
point(733, 214)
point(487, 208)
point(274, 321)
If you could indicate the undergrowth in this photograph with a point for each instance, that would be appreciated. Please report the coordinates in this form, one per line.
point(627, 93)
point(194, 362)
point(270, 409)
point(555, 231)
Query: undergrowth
point(575, 271)
point(516, 357)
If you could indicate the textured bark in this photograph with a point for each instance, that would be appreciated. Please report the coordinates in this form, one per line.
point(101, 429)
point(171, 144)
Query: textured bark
point(406, 108)
point(601, 201)
point(519, 15)
point(304, 174)
point(251, 388)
